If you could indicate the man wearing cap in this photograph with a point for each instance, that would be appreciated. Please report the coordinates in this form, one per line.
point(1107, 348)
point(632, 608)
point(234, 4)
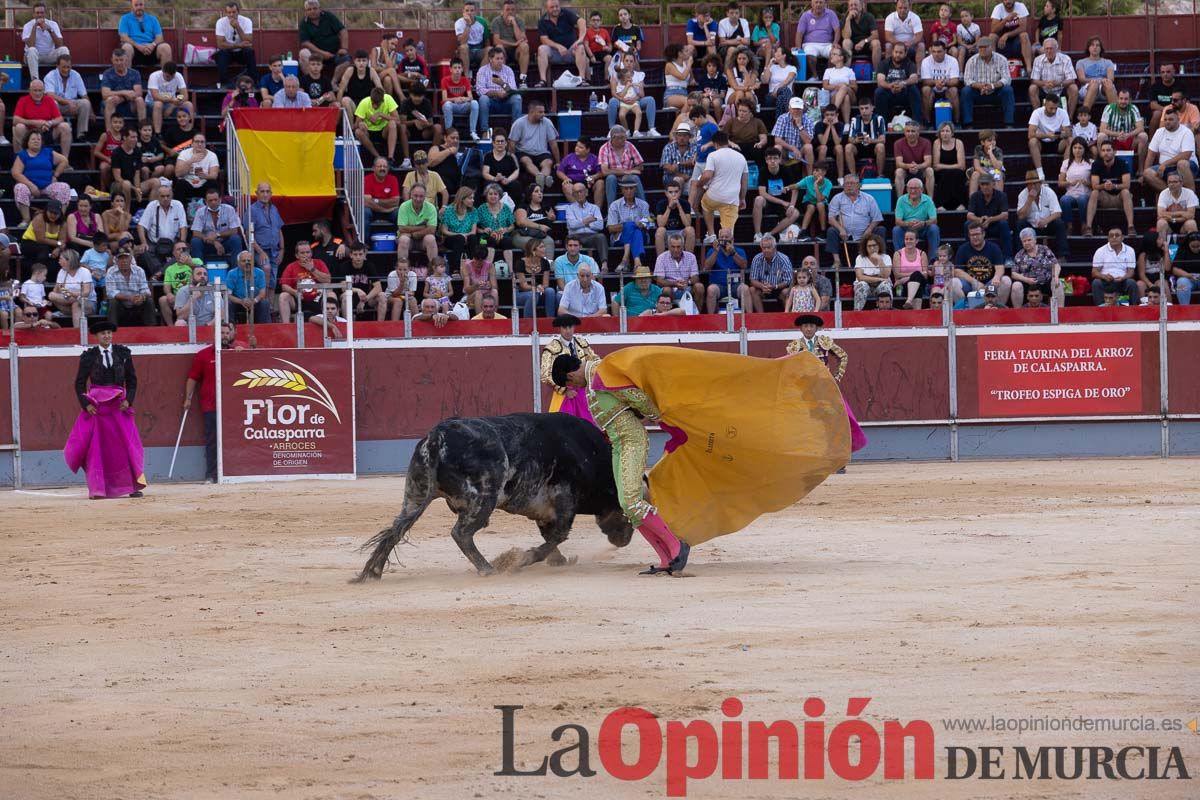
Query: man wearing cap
point(104, 440)
point(820, 346)
point(678, 158)
point(128, 292)
point(203, 373)
point(989, 209)
point(435, 187)
point(793, 133)
point(1113, 266)
point(639, 296)
point(583, 297)
point(628, 220)
point(1038, 207)
point(569, 401)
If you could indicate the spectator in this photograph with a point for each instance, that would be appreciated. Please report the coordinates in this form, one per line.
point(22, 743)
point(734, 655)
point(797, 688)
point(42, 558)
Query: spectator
point(1189, 113)
point(733, 33)
point(702, 34)
point(267, 225)
point(620, 159)
point(66, 87)
point(567, 266)
point(829, 140)
point(141, 37)
point(1075, 183)
point(323, 34)
point(860, 33)
point(532, 219)
point(770, 278)
point(36, 172)
point(495, 221)
point(1085, 129)
point(585, 223)
point(298, 284)
point(1161, 92)
point(742, 78)
point(792, 134)
point(1173, 149)
point(724, 183)
point(531, 274)
point(853, 216)
point(161, 224)
point(128, 293)
point(478, 278)
point(1038, 209)
point(872, 271)
point(82, 226)
point(915, 212)
point(537, 139)
point(43, 41)
point(381, 192)
point(632, 92)
point(677, 72)
point(977, 264)
point(447, 162)
point(508, 33)
point(196, 169)
point(412, 70)
point(988, 159)
point(1110, 187)
point(433, 313)
point(129, 177)
point(677, 271)
point(867, 131)
point(1035, 267)
point(417, 221)
point(911, 268)
point(487, 309)
point(1153, 297)
point(1112, 270)
point(1123, 123)
point(777, 196)
point(987, 81)
point(914, 159)
point(457, 100)
point(248, 290)
point(713, 85)
point(174, 277)
point(400, 293)
point(942, 30)
point(674, 216)
point(165, 92)
point(1010, 24)
point(1185, 267)
point(194, 301)
point(376, 123)
point(385, 60)
point(73, 293)
point(988, 208)
point(779, 75)
point(627, 222)
point(627, 37)
point(940, 80)
point(497, 89)
point(583, 297)
point(723, 264)
point(459, 225)
point(1049, 25)
point(562, 34)
point(902, 26)
point(38, 112)
point(814, 201)
point(1053, 73)
point(747, 133)
point(1049, 129)
point(600, 45)
point(949, 170)
point(639, 296)
point(817, 33)
point(108, 144)
point(967, 35)
point(241, 95)
point(357, 82)
point(234, 43)
point(1176, 208)
point(216, 230)
point(582, 166)
point(121, 87)
point(116, 221)
point(291, 96)
point(471, 31)
point(896, 82)
point(1096, 73)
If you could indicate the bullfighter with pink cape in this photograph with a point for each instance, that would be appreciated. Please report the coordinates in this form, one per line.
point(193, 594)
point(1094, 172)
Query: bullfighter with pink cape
point(105, 440)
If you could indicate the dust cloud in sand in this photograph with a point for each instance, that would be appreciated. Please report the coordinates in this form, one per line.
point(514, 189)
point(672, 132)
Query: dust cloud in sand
point(204, 642)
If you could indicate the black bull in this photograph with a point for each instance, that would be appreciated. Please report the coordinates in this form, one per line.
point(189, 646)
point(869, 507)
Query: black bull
point(548, 467)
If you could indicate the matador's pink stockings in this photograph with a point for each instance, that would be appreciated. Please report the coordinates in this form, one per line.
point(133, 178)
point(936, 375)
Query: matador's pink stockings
point(654, 529)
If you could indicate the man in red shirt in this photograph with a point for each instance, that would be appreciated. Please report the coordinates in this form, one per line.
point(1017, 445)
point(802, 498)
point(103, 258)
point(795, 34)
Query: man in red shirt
point(456, 94)
point(204, 372)
point(382, 192)
point(298, 284)
point(914, 159)
point(37, 112)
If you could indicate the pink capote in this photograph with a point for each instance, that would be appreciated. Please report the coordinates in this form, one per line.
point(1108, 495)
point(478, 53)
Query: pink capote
point(858, 439)
point(577, 406)
point(107, 446)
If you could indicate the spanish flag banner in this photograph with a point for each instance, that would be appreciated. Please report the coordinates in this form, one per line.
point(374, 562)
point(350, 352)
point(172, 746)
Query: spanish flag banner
point(291, 149)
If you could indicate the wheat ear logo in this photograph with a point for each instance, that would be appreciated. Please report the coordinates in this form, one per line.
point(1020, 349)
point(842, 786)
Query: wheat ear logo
point(299, 380)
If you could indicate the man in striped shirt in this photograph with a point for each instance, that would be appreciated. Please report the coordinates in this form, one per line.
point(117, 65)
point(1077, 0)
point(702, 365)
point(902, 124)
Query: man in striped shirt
point(1122, 124)
point(987, 81)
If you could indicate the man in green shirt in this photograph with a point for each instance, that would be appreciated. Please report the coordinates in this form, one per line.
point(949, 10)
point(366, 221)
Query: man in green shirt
point(323, 34)
point(915, 212)
point(640, 296)
point(417, 220)
point(176, 275)
point(376, 123)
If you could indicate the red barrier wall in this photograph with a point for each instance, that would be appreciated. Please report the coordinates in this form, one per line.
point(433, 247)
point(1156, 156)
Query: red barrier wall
point(1183, 382)
point(6, 436)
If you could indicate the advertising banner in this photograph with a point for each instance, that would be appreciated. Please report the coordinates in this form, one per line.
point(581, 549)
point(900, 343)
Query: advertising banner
point(1028, 375)
point(286, 414)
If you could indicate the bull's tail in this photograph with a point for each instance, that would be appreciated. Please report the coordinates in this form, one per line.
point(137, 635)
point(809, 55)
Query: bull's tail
point(420, 489)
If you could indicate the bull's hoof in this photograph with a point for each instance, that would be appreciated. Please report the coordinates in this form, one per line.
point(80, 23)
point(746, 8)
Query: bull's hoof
point(486, 572)
point(366, 575)
point(556, 559)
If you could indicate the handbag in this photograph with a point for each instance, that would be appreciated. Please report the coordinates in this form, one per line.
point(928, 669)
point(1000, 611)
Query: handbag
point(532, 233)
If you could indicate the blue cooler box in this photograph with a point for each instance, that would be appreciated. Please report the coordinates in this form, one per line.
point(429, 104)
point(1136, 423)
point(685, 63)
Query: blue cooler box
point(291, 68)
point(1127, 157)
point(217, 271)
point(570, 125)
point(942, 112)
point(801, 64)
point(881, 190)
point(339, 153)
point(13, 70)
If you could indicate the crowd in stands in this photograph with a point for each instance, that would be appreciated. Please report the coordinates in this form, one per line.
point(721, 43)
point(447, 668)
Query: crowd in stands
point(788, 145)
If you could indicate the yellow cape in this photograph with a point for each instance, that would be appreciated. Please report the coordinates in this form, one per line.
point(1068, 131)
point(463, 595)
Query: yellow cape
point(762, 433)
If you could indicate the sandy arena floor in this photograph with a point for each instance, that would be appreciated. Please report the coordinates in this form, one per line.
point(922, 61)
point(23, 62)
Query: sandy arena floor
point(204, 642)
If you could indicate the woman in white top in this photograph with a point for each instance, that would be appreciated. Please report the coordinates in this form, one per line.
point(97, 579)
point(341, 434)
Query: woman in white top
point(678, 75)
point(1075, 181)
point(73, 293)
point(779, 75)
point(872, 271)
point(636, 81)
point(839, 81)
point(743, 80)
